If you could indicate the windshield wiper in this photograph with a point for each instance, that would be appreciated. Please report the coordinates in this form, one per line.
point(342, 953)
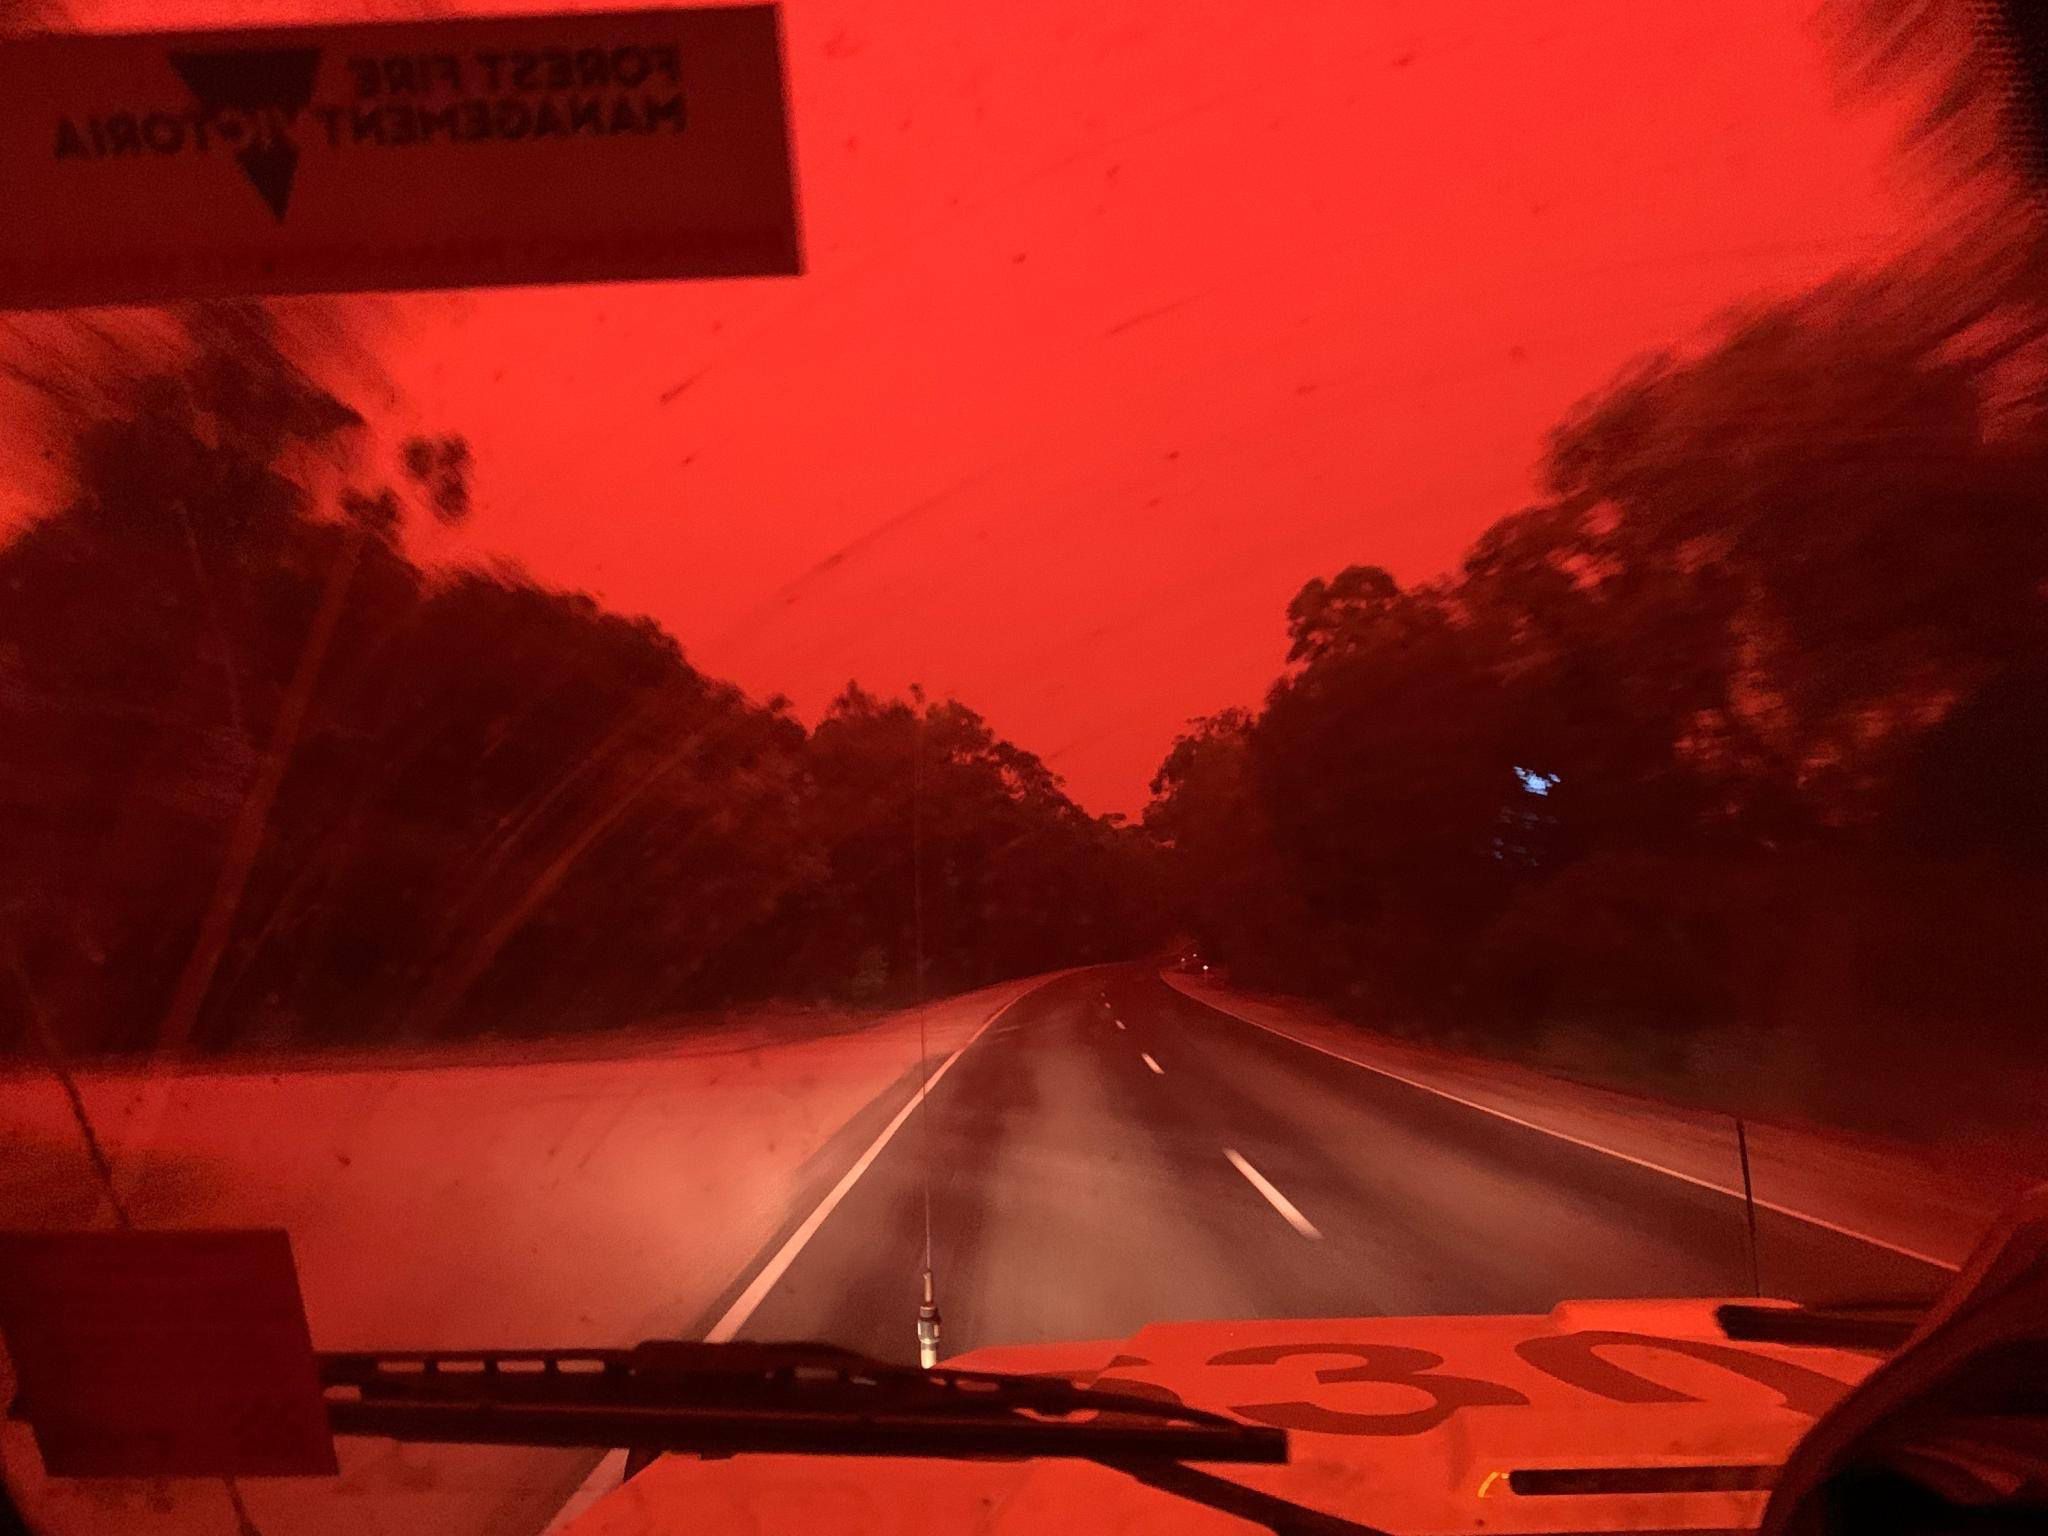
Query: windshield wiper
point(1876, 1326)
point(803, 1399)
point(725, 1399)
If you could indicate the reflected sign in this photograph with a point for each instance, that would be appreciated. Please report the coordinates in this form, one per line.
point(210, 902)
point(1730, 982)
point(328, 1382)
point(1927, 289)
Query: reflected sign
point(537, 149)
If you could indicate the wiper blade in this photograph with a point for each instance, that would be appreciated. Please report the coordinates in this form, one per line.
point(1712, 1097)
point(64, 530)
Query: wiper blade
point(1281, 1515)
point(1878, 1326)
point(726, 1399)
point(804, 1399)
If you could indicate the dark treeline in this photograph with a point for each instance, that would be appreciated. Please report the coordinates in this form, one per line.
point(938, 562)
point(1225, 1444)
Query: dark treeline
point(266, 780)
point(1726, 757)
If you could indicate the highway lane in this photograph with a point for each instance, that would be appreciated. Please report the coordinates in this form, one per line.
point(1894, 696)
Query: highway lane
point(1112, 1153)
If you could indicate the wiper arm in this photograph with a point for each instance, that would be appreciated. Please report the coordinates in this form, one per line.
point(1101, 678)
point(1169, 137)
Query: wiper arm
point(803, 1399)
point(1280, 1515)
point(724, 1399)
point(1874, 1326)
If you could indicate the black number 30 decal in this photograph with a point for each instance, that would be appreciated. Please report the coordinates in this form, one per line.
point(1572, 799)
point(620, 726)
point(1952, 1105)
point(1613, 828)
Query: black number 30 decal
point(1383, 1364)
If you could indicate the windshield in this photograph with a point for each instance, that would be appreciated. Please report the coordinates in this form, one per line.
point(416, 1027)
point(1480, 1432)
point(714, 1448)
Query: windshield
point(1330, 661)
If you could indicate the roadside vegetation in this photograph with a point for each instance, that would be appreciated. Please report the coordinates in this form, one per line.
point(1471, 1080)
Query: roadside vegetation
point(267, 779)
point(1719, 766)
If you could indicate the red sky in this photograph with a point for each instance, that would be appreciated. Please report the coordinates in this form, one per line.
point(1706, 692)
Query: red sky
point(1123, 319)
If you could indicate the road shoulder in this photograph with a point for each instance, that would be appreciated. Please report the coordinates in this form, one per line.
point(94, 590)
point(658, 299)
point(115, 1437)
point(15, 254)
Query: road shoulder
point(1893, 1194)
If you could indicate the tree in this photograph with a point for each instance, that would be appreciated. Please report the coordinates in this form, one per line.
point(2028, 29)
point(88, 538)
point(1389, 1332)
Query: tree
point(1811, 540)
point(1780, 616)
point(275, 779)
point(910, 797)
point(1208, 817)
point(155, 630)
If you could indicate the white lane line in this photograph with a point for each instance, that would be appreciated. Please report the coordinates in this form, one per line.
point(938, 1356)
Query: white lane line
point(1593, 1146)
point(757, 1290)
point(1119, 1023)
point(1289, 1212)
point(609, 1473)
point(1146, 1057)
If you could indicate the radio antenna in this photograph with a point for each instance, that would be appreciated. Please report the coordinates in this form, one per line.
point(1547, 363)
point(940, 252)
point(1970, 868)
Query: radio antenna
point(1756, 1283)
point(928, 1307)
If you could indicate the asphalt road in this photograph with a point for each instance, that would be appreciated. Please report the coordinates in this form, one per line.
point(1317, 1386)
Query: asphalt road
point(1112, 1153)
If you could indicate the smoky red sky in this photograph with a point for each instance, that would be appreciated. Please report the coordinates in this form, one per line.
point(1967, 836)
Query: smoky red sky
point(1124, 319)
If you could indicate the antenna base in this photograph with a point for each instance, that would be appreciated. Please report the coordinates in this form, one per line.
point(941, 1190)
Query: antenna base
point(928, 1327)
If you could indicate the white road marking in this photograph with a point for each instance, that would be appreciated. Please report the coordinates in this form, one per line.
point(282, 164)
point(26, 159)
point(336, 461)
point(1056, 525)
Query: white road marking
point(1119, 1023)
point(1146, 1057)
point(757, 1290)
point(609, 1473)
point(1289, 1212)
point(1593, 1146)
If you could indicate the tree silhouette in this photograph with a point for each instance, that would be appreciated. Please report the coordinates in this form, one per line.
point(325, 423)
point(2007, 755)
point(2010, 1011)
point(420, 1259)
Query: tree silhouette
point(275, 781)
point(1770, 649)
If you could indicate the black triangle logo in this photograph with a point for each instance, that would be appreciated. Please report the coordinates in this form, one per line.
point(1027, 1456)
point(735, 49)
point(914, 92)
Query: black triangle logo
point(270, 168)
point(255, 80)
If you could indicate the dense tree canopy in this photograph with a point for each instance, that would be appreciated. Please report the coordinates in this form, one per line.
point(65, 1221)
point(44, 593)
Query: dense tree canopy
point(1767, 660)
point(1738, 726)
point(268, 779)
